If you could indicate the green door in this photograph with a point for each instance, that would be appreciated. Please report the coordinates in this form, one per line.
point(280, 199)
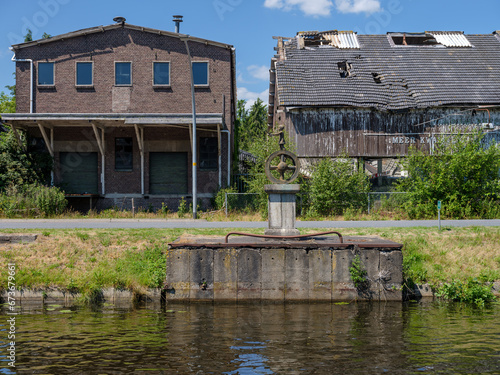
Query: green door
point(79, 174)
point(168, 173)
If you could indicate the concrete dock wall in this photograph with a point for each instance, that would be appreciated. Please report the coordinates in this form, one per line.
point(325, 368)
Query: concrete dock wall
point(281, 273)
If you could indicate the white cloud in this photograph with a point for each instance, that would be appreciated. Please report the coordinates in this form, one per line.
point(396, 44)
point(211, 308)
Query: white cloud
point(260, 72)
point(251, 97)
point(308, 7)
point(358, 6)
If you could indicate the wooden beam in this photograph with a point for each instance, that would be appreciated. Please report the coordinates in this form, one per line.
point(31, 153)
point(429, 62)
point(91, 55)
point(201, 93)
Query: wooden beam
point(139, 134)
point(98, 139)
point(46, 139)
point(18, 137)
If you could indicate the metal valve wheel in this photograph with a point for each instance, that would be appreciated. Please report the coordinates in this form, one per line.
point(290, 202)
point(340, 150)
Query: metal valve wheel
point(286, 164)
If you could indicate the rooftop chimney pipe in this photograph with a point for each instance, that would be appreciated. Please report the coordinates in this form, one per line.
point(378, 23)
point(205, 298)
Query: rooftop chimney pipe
point(177, 20)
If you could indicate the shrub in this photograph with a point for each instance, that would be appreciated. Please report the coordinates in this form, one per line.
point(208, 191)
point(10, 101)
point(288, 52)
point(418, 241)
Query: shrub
point(470, 291)
point(183, 209)
point(219, 201)
point(31, 200)
point(462, 172)
point(336, 185)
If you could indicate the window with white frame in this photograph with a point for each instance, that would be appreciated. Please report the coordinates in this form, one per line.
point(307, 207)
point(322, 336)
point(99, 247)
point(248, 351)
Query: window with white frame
point(84, 74)
point(46, 74)
point(161, 73)
point(123, 73)
point(200, 73)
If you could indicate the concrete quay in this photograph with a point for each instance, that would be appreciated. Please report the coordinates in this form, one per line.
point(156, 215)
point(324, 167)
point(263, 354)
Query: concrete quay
point(201, 268)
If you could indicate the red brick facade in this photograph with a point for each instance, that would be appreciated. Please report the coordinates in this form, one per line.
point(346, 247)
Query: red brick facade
point(128, 43)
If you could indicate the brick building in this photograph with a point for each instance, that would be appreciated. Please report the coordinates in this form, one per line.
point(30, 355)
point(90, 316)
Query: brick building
point(113, 106)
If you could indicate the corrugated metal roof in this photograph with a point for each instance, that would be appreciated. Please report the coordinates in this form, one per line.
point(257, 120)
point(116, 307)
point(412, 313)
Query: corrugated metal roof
point(450, 39)
point(342, 39)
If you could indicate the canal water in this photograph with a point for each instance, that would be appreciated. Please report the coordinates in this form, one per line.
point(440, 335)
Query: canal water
point(362, 338)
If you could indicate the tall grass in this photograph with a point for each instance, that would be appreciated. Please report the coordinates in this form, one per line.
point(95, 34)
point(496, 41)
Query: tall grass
point(32, 201)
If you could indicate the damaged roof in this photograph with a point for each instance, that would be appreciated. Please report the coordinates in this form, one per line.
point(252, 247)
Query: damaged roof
point(389, 72)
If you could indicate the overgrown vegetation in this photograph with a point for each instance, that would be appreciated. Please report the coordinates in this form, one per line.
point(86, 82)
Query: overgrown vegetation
point(32, 200)
point(462, 173)
point(469, 291)
point(335, 186)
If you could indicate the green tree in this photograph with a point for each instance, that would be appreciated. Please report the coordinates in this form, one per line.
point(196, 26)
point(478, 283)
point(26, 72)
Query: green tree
point(29, 36)
point(7, 103)
point(252, 124)
point(18, 166)
point(462, 172)
point(336, 185)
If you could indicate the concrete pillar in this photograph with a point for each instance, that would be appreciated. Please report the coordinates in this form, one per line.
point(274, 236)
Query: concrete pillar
point(282, 208)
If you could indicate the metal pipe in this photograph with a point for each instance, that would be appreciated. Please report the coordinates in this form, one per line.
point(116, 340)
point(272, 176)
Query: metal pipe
point(31, 75)
point(283, 237)
point(228, 156)
point(194, 153)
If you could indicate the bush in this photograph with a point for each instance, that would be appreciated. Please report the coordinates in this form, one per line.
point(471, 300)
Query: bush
point(32, 200)
point(19, 166)
point(335, 186)
point(219, 201)
point(470, 291)
point(462, 172)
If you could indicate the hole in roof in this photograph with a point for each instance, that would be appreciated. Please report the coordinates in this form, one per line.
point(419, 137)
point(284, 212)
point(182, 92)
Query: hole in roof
point(414, 40)
point(344, 68)
point(377, 77)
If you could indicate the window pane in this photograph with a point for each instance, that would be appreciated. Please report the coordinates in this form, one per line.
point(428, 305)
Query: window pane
point(209, 153)
point(84, 73)
point(161, 73)
point(200, 73)
point(123, 74)
point(123, 154)
point(45, 73)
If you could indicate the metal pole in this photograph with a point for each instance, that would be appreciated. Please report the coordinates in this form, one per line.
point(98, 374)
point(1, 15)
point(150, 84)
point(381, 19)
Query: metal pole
point(194, 153)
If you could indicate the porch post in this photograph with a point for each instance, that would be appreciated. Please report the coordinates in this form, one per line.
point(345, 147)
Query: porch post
point(101, 145)
point(139, 132)
point(49, 143)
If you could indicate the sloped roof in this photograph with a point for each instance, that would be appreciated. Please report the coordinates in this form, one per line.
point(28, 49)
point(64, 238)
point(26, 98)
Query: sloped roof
point(100, 29)
point(391, 77)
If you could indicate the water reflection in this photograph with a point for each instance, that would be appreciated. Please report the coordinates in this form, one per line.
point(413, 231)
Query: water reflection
point(260, 339)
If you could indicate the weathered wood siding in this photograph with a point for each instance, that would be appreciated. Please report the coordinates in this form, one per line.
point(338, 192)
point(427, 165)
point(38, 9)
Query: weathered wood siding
point(374, 134)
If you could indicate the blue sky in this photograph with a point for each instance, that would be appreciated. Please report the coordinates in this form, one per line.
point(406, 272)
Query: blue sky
point(248, 25)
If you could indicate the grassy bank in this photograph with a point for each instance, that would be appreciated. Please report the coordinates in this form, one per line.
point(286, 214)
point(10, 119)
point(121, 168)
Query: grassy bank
point(87, 260)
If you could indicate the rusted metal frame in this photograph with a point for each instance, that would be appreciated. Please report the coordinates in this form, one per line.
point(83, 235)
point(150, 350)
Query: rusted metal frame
point(283, 237)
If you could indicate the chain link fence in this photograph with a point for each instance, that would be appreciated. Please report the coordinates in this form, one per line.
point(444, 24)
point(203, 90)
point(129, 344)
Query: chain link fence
point(248, 202)
point(386, 201)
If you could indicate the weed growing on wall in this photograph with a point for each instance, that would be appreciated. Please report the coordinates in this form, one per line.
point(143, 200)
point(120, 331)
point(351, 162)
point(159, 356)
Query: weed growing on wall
point(358, 273)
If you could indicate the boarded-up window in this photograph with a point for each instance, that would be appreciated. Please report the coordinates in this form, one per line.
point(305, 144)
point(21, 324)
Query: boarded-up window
point(79, 174)
point(123, 154)
point(168, 173)
point(209, 153)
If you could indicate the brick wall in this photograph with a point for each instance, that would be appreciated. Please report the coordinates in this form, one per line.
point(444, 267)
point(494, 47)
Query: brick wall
point(140, 48)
